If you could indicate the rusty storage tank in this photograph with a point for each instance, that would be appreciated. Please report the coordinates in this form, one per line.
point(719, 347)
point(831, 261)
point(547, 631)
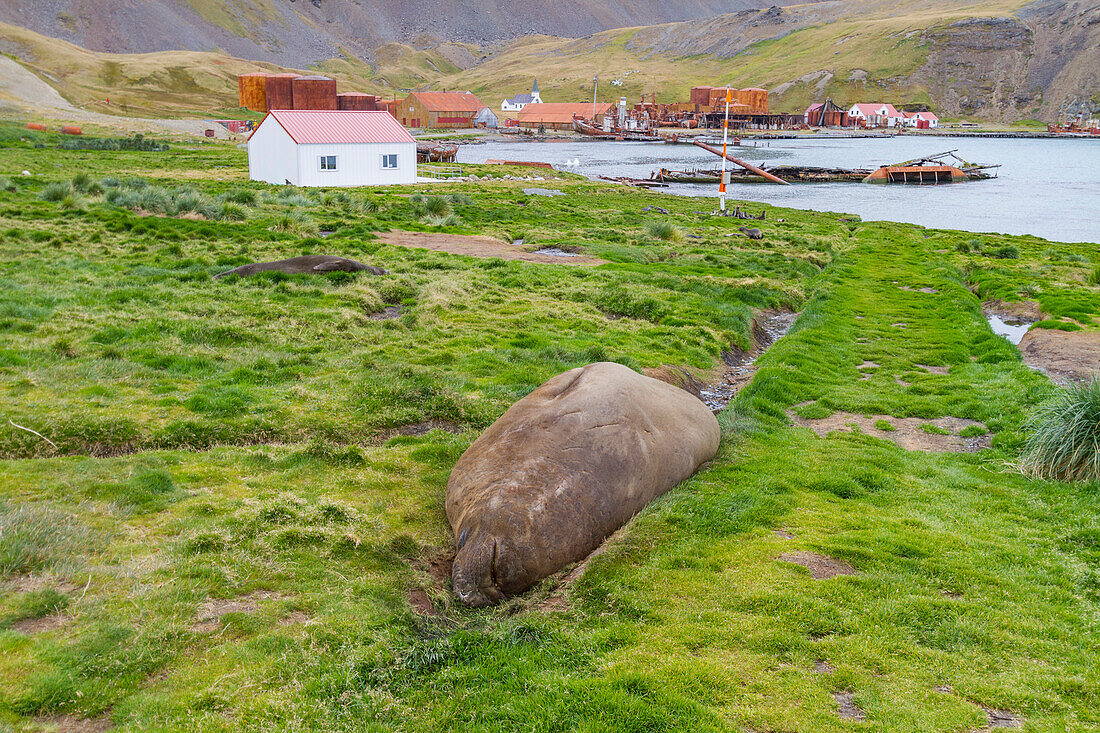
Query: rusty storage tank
point(314, 92)
point(252, 91)
point(700, 95)
point(758, 100)
point(280, 91)
point(357, 101)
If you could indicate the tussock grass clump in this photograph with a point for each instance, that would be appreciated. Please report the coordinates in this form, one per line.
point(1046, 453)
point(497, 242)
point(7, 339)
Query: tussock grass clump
point(7, 185)
point(242, 196)
point(664, 231)
point(1065, 438)
point(295, 222)
point(36, 537)
point(74, 200)
point(229, 211)
point(56, 191)
point(438, 206)
point(84, 183)
point(361, 206)
point(1093, 278)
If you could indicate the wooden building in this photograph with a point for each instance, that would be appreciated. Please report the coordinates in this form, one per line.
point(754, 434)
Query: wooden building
point(439, 109)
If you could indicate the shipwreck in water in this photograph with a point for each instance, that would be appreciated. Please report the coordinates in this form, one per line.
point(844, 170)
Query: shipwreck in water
point(939, 168)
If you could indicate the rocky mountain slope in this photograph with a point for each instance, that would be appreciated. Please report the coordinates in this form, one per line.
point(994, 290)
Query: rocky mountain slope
point(999, 60)
point(302, 32)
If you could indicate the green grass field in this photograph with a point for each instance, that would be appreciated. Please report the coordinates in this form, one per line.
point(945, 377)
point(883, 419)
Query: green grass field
point(232, 517)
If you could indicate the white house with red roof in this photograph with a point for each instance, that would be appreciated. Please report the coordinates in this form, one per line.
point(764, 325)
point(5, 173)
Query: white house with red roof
point(924, 120)
point(331, 148)
point(877, 115)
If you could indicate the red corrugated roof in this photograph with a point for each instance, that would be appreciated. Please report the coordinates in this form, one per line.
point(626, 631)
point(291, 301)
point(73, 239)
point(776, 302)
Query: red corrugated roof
point(343, 126)
point(449, 101)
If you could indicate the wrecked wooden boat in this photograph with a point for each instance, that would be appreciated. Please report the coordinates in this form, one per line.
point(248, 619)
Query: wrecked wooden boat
point(584, 127)
point(790, 173)
point(435, 153)
point(940, 168)
point(636, 182)
point(930, 169)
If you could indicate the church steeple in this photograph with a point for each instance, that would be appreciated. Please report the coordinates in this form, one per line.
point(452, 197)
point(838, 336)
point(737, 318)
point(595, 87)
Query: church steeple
point(535, 88)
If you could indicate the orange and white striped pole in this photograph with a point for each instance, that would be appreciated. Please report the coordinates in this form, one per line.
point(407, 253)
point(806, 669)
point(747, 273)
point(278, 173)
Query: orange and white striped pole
point(725, 137)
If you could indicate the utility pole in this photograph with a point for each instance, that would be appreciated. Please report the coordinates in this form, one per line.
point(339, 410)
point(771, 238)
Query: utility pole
point(725, 136)
point(595, 84)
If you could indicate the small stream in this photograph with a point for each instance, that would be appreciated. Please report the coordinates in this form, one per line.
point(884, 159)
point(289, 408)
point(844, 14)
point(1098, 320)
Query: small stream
point(740, 367)
point(1012, 329)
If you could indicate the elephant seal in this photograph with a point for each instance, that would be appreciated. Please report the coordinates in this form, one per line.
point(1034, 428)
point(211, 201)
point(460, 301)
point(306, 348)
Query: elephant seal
point(304, 265)
point(565, 467)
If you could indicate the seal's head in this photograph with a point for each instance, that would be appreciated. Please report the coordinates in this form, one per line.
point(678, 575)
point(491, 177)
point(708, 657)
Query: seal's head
point(475, 577)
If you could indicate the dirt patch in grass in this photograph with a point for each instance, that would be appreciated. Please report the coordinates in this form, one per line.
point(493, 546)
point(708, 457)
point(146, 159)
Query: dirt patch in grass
point(930, 291)
point(421, 603)
point(941, 370)
point(386, 314)
point(737, 367)
point(439, 564)
point(1064, 356)
point(823, 667)
point(939, 435)
point(32, 583)
point(478, 246)
point(422, 428)
point(42, 624)
point(846, 707)
point(1001, 719)
point(73, 724)
point(294, 617)
point(1025, 310)
point(821, 567)
point(211, 611)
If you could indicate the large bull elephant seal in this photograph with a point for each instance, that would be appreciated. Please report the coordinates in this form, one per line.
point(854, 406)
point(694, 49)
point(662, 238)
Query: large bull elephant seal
point(308, 264)
point(565, 467)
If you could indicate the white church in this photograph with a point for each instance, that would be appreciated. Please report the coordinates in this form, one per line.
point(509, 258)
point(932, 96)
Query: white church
point(518, 102)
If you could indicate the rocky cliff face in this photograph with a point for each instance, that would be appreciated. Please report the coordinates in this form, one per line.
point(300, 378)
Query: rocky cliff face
point(1044, 63)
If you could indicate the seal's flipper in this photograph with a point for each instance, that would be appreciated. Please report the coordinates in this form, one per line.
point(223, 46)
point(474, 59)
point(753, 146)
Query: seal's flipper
point(329, 266)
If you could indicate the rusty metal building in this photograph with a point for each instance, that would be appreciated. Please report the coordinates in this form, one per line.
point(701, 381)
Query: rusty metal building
point(314, 92)
point(280, 91)
point(252, 91)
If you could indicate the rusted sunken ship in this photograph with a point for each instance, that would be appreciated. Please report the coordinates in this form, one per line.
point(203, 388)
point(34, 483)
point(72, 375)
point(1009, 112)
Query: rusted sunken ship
point(940, 168)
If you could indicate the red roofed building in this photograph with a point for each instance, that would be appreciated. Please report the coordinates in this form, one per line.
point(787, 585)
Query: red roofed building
point(922, 120)
point(559, 115)
point(439, 109)
point(331, 148)
point(877, 115)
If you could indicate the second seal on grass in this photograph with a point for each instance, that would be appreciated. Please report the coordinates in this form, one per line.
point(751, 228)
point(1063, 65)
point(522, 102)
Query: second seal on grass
point(565, 467)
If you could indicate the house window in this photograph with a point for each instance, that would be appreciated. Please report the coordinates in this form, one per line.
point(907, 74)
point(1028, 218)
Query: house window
point(328, 162)
point(389, 161)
